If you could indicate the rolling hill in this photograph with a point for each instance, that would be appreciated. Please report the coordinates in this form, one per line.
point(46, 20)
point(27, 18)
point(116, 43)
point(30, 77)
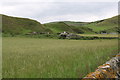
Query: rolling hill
point(57, 27)
point(15, 25)
point(18, 26)
point(108, 25)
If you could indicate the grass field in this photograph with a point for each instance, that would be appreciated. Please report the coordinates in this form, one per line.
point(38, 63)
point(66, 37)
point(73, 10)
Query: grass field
point(52, 58)
point(100, 35)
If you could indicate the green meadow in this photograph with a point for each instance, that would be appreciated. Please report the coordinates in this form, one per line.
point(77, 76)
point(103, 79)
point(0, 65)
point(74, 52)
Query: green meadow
point(54, 58)
point(100, 35)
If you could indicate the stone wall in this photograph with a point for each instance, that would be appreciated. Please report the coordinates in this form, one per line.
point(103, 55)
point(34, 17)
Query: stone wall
point(111, 69)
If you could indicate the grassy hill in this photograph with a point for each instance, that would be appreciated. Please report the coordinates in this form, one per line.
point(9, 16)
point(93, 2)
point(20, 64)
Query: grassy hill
point(15, 25)
point(109, 25)
point(57, 27)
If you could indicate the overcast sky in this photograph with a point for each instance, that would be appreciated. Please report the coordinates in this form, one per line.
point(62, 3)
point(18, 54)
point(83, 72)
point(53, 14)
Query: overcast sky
point(62, 10)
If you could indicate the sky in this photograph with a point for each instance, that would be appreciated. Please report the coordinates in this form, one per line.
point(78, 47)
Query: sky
point(46, 11)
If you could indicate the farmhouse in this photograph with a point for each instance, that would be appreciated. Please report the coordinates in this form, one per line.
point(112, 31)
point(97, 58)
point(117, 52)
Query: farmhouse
point(67, 35)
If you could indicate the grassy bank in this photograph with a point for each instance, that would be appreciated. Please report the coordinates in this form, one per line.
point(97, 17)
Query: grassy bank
point(52, 58)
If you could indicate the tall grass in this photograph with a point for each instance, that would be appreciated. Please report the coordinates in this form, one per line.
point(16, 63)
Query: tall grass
point(52, 58)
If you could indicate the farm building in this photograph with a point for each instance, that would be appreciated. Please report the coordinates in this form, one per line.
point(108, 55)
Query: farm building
point(67, 35)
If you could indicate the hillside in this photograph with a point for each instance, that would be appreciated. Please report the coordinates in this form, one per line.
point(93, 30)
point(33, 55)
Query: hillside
point(57, 27)
point(108, 25)
point(15, 25)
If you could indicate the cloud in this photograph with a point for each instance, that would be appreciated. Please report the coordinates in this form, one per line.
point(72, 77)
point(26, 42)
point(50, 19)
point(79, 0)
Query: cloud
point(54, 11)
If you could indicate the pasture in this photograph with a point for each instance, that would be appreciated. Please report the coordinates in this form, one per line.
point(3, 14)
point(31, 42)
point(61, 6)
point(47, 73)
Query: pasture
point(53, 58)
point(100, 35)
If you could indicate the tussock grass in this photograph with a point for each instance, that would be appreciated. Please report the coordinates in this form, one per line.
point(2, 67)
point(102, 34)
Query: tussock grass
point(52, 58)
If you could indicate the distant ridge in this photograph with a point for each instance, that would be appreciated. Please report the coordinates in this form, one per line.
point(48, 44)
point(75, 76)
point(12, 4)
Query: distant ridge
point(109, 25)
point(18, 26)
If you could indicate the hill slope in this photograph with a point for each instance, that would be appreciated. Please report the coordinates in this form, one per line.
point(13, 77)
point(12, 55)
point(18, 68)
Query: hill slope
point(57, 27)
point(14, 25)
point(108, 25)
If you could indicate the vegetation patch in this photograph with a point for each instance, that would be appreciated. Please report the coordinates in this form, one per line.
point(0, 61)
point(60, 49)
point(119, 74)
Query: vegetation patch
point(53, 58)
